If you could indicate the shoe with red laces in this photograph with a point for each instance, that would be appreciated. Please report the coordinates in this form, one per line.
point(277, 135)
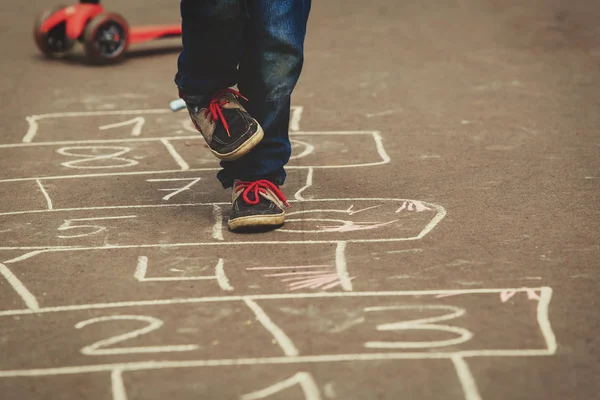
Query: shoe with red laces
point(258, 204)
point(226, 125)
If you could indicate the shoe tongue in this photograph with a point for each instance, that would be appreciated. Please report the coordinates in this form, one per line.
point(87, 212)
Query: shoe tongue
point(252, 196)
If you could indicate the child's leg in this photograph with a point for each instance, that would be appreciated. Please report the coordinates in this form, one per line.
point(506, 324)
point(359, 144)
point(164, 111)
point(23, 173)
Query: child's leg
point(270, 67)
point(212, 44)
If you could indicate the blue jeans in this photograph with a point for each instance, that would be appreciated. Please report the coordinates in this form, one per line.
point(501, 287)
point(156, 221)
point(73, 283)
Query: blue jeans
point(266, 39)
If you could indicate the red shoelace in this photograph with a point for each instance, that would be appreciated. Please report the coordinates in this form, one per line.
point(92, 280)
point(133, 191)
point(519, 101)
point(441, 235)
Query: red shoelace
point(215, 107)
point(257, 187)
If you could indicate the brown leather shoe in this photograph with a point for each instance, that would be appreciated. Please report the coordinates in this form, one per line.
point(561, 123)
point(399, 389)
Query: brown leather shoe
point(226, 125)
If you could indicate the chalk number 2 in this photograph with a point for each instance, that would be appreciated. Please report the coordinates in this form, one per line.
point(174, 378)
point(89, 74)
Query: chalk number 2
point(100, 347)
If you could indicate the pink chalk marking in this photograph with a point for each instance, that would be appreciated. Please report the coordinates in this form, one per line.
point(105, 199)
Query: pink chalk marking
point(413, 206)
point(312, 284)
point(296, 267)
point(352, 228)
point(506, 295)
point(338, 283)
point(325, 282)
point(531, 294)
point(299, 278)
point(313, 279)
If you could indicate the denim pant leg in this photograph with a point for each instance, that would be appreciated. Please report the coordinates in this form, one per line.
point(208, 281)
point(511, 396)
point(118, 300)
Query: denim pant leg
point(212, 45)
point(270, 66)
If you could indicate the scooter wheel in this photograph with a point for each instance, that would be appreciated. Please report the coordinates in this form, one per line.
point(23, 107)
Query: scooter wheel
point(106, 39)
point(54, 43)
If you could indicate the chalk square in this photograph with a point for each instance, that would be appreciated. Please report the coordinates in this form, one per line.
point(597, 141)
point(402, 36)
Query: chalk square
point(20, 163)
point(310, 221)
point(342, 380)
point(167, 273)
point(134, 334)
point(427, 326)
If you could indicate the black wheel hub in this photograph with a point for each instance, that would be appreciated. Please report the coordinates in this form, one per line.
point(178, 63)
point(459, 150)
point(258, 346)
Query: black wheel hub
point(57, 39)
point(110, 39)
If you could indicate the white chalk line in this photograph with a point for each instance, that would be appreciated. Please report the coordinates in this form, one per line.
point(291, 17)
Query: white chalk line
point(45, 193)
point(117, 384)
point(380, 149)
point(296, 117)
point(24, 256)
point(543, 318)
point(173, 245)
point(286, 344)
point(282, 296)
point(28, 139)
point(170, 171)
point(217, 230)
point(467, 381)
point(27, 297)
point(150, 365)
point(176, 156)
point(97, 141)
point(221, 277)
point(308, 149)
point(309, 182)
point(341, 266)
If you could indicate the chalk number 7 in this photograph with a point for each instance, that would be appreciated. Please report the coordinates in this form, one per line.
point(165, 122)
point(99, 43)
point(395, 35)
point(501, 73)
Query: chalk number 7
point(88, 230)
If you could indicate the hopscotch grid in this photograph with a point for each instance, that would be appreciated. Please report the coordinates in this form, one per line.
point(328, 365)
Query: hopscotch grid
point(458, 358)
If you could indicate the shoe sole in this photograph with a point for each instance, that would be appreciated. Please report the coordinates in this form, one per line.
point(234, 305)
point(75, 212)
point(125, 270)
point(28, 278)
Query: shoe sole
point(244, 148)
point(256, 221)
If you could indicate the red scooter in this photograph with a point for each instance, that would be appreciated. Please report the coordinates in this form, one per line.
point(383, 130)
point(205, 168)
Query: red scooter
point(105, 36)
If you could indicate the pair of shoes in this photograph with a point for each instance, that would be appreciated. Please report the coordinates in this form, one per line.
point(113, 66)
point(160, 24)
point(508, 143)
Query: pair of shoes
point(231, 133)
